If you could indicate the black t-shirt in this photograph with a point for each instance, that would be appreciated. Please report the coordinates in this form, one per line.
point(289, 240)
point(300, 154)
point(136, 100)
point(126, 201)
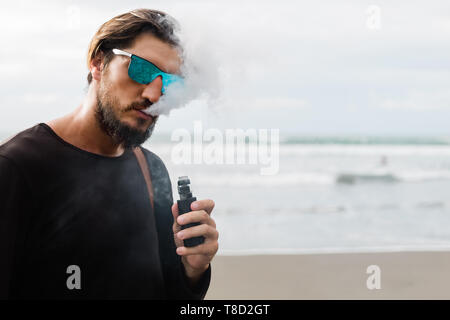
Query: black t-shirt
point(61, 206)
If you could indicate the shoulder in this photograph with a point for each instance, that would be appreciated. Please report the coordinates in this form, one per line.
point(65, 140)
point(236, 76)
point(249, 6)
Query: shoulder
point(24, 144)
point(158, 172)
point(154, 161)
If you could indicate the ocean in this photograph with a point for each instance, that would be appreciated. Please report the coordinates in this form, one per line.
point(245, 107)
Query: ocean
point(330, 194)
point(334, 194)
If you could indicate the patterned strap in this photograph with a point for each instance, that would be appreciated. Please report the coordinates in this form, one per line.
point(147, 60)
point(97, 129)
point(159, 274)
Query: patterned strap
point(145, 171)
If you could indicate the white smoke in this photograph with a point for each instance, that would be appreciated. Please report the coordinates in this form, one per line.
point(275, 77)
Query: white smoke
point(201, 72)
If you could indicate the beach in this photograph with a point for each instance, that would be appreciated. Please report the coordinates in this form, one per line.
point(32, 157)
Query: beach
point(403, 275)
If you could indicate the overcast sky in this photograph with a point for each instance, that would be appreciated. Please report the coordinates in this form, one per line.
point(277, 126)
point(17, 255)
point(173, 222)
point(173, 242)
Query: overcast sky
point(328, 67)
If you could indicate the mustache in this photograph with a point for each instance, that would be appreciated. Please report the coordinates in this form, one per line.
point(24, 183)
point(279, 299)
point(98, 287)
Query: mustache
point(138, 105)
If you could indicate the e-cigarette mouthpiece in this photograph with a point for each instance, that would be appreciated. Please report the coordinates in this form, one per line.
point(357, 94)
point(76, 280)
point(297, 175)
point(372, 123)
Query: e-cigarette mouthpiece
point(183, 188)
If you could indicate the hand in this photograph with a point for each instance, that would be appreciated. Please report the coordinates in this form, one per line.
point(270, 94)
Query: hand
point(196, 259)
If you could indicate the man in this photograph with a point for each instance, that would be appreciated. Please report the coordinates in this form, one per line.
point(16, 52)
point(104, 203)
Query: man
point(75, 216)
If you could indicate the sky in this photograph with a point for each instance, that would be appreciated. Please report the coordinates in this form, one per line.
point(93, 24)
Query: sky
point(303, 67)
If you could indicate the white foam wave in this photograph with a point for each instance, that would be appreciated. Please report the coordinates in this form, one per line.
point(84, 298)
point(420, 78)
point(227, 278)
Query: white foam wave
point(313, 178)
point(251, 180)
point(364, 150)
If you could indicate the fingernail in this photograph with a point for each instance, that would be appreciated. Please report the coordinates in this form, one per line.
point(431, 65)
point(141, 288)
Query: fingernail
point(180, 219)
point(194, 206)
point(180, 234)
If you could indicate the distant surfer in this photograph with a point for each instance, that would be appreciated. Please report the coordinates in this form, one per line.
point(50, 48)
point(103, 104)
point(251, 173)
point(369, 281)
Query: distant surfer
point(383, 161)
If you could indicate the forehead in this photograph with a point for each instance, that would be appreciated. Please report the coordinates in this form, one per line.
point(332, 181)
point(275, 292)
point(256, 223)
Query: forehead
point(157, 51)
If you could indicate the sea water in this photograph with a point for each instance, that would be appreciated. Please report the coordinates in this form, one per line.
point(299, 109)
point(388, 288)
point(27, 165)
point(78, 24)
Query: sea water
point(334, 195)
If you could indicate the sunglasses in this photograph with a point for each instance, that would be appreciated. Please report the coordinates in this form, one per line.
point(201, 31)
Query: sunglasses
point(143, 71)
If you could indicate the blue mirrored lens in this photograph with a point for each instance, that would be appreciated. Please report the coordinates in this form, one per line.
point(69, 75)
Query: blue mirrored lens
point(143, 71)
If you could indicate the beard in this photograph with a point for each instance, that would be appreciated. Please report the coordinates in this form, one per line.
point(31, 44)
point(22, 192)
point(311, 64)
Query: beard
point(120, 132)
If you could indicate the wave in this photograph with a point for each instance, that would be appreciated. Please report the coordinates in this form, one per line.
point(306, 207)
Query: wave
point(366, 140)
point(349, 178)
point(256, 180)
point(412, 176)
point(317, 178)
point(327, 150)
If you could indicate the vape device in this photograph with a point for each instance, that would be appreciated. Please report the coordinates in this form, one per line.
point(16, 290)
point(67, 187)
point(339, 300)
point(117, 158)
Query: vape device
point(184, 206)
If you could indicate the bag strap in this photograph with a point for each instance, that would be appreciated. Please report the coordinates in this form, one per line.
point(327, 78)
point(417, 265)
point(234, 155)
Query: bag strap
point(145, 171)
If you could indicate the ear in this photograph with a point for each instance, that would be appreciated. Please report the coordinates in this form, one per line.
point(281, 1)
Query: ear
point(96, 66)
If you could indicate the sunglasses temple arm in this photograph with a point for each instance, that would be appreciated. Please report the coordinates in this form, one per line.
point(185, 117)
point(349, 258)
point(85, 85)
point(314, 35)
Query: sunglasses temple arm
point(120, 52)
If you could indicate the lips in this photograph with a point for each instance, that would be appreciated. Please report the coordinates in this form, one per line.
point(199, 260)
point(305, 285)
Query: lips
point(143, 114)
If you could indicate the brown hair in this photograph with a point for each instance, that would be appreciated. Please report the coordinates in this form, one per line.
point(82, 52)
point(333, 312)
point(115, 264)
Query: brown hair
point(122, 30)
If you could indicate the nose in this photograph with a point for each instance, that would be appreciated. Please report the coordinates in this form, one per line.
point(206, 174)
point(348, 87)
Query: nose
point(152, 90)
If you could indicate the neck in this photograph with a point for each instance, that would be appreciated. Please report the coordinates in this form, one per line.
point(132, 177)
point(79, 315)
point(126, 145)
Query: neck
point(81, 129)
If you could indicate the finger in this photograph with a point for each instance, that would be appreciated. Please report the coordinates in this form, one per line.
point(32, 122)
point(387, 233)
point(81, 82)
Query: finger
point(176, 227)
point(206, 204)
point(208, 249)
point(204, 230)
point(194, 216)
point(175, 212)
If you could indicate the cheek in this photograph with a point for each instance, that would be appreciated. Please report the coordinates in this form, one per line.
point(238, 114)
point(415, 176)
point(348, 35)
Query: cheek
point(108, 95)
point(122, 87)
